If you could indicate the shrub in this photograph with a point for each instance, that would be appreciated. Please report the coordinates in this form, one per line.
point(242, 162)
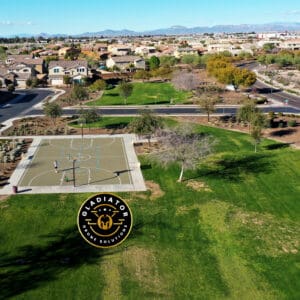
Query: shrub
point(292, 123)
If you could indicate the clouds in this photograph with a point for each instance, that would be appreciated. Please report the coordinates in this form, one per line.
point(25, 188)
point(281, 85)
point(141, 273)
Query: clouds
point(12, 23)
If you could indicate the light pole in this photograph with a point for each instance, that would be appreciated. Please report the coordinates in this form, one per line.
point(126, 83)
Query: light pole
point(74, 179)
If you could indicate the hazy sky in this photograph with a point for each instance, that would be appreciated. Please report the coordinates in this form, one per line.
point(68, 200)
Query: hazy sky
point(77, 16)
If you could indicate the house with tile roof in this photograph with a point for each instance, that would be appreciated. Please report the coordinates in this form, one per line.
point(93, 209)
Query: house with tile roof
point(75, 69)
point(125, 62)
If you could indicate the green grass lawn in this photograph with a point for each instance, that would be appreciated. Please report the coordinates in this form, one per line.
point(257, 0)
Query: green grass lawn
point(117, 123)
point(143, 94)
point(229, 231)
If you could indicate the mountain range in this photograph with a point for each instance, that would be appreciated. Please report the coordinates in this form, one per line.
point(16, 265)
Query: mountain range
point(182, 30)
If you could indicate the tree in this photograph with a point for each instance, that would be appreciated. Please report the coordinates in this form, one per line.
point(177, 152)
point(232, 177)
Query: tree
point(89, 115)
point(256, 121)
point(98, 85)
point(32, 82)
point(163, 72)
point(256, 134)
point(3, 53)
point(207, 103)
point(52, 110)
point(247, 112)
point(154, 62)
point(10, 88)
point(184, 146)
point(79, 92)
point(268, 47)
point(28, 82)
point(185, 81)
point(67, 80)
point(142, 74)
point(168, 61)
point(243, 77)
point(146, 124)
point(125, 90)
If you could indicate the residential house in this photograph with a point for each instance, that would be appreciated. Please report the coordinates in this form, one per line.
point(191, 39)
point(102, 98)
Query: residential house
point(38, 63)
point(76, 69)
point(179, 52)
point(22, 72)
point(63, 51)
point(292, 44)
point(125, 62)
point(119, 50)
point(145, 50)
point(234, 49)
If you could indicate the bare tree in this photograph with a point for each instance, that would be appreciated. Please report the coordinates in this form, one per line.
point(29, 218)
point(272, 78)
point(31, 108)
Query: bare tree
point(184, 146)
point(185, 81)
point(207, 103)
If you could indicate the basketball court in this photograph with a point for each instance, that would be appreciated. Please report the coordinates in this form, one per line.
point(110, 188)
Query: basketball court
point(84, 164)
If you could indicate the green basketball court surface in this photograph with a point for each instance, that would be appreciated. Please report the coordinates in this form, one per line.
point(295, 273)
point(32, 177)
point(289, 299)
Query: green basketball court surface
point(84, 164)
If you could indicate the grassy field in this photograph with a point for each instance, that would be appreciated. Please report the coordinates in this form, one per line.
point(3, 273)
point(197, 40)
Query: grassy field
point(143, 94)
point(229, 231)
point(117, 123)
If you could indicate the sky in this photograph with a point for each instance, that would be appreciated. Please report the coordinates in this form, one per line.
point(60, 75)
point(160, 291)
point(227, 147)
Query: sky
point(78, 16)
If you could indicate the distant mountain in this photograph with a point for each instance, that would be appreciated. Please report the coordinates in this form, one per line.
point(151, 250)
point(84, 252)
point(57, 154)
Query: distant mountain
point(182, 30)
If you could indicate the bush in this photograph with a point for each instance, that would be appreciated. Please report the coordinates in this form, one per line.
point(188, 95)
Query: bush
point(292, 123)
point(282, 124)
point(11, 88)
point(261, 100)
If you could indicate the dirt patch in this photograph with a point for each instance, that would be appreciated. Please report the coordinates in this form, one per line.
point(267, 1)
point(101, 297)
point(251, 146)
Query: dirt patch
point(3, 198)
point(276, 237)
point(198, 185)
point(181, 210)
point(155, 189)
point(146, 148)
point(141, 264)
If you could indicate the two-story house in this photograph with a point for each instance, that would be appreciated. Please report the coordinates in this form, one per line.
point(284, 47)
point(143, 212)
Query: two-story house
point(22, 72)
point(125, 62)
point(75, 69)
point(37, 63)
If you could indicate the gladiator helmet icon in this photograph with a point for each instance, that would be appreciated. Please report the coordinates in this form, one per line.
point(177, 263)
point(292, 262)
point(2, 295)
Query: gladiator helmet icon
point(105, 222)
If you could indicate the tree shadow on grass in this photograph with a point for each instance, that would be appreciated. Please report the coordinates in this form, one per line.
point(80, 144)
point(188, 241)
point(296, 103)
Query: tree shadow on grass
point(277, 146)
point(35, 265)
point(113, 94)
point(120, 125)
point(283, 132)
point(235, 168)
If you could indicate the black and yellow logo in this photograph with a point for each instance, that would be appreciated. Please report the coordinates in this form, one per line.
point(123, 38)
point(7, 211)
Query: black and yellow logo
point(104, 220)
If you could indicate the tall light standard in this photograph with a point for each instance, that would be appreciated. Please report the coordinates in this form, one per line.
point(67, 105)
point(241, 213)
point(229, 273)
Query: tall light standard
point(74, 179)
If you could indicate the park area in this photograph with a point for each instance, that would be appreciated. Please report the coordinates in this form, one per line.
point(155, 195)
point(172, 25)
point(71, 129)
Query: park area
point(143, 94)
point(229, 230)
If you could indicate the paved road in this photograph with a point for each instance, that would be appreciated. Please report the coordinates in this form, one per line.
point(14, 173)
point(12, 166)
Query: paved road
point(22, 104)
point(173, 110)
point(270, 92)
